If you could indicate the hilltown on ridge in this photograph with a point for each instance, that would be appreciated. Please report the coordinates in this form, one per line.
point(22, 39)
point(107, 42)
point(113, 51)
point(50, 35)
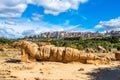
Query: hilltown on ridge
point(63, 34)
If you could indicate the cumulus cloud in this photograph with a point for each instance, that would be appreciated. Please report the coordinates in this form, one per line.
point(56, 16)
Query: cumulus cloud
point(21, 30)
point(57, 6)
point(13, 31)
point(12, 8)
point(14, 26)
point(9, 33)
point(9, 22)
point(28, 32)
point(113, 24)
point(15, 8)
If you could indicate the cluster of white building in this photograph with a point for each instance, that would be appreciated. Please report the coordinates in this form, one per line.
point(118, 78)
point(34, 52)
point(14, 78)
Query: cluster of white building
point(64, 34)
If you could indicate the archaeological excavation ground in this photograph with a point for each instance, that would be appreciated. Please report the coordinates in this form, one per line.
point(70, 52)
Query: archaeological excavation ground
point(26, 60)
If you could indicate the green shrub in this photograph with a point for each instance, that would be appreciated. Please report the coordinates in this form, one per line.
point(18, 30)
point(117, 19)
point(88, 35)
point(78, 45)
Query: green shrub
point(5, 41)
point(80, 43)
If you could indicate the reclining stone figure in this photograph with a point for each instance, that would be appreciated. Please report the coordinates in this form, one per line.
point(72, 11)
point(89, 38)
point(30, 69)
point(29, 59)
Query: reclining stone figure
point(31, 52)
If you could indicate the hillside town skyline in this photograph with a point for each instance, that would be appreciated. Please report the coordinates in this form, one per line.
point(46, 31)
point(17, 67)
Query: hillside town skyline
point(65, 34)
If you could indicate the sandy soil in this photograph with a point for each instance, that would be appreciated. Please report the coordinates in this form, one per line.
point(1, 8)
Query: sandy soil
point(12, 69)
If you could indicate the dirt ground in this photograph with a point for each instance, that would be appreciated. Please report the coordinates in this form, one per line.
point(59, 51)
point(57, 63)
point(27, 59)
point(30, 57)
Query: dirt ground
point(12, 69)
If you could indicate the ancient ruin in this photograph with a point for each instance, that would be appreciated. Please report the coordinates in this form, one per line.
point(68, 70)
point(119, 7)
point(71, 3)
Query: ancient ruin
point(32, 52)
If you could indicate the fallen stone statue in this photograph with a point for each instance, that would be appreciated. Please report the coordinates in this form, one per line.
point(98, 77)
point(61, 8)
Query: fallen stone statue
point(31, 52)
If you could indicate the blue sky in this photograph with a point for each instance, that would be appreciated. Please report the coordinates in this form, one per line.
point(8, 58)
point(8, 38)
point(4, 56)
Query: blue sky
point(19, 18)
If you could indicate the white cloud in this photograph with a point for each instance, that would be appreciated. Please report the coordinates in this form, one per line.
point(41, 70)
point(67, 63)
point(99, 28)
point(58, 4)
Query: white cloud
point(57, 6)
point(9, 33)
point(12, 8)
point(36, 17)
point(15, 8)
point(21, 30)
point(28, 20)
point(28, 32)
point(113, 24)
point(17, 27)
point(10, 22)
point(14, 26)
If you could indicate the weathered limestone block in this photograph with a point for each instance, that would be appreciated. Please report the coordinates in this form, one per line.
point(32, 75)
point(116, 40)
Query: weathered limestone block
point(102, 49)
point(117, 56)
point(28, 50)
point(68, 54)
point(53, 54)
point(3, 49)
point(90, 50)
point(90, 61)
point(75, 55)
point(40, 53)
point(60, 53)
point(82, 56)
point(91, 56)
point(46, 52)
point(114, 50)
